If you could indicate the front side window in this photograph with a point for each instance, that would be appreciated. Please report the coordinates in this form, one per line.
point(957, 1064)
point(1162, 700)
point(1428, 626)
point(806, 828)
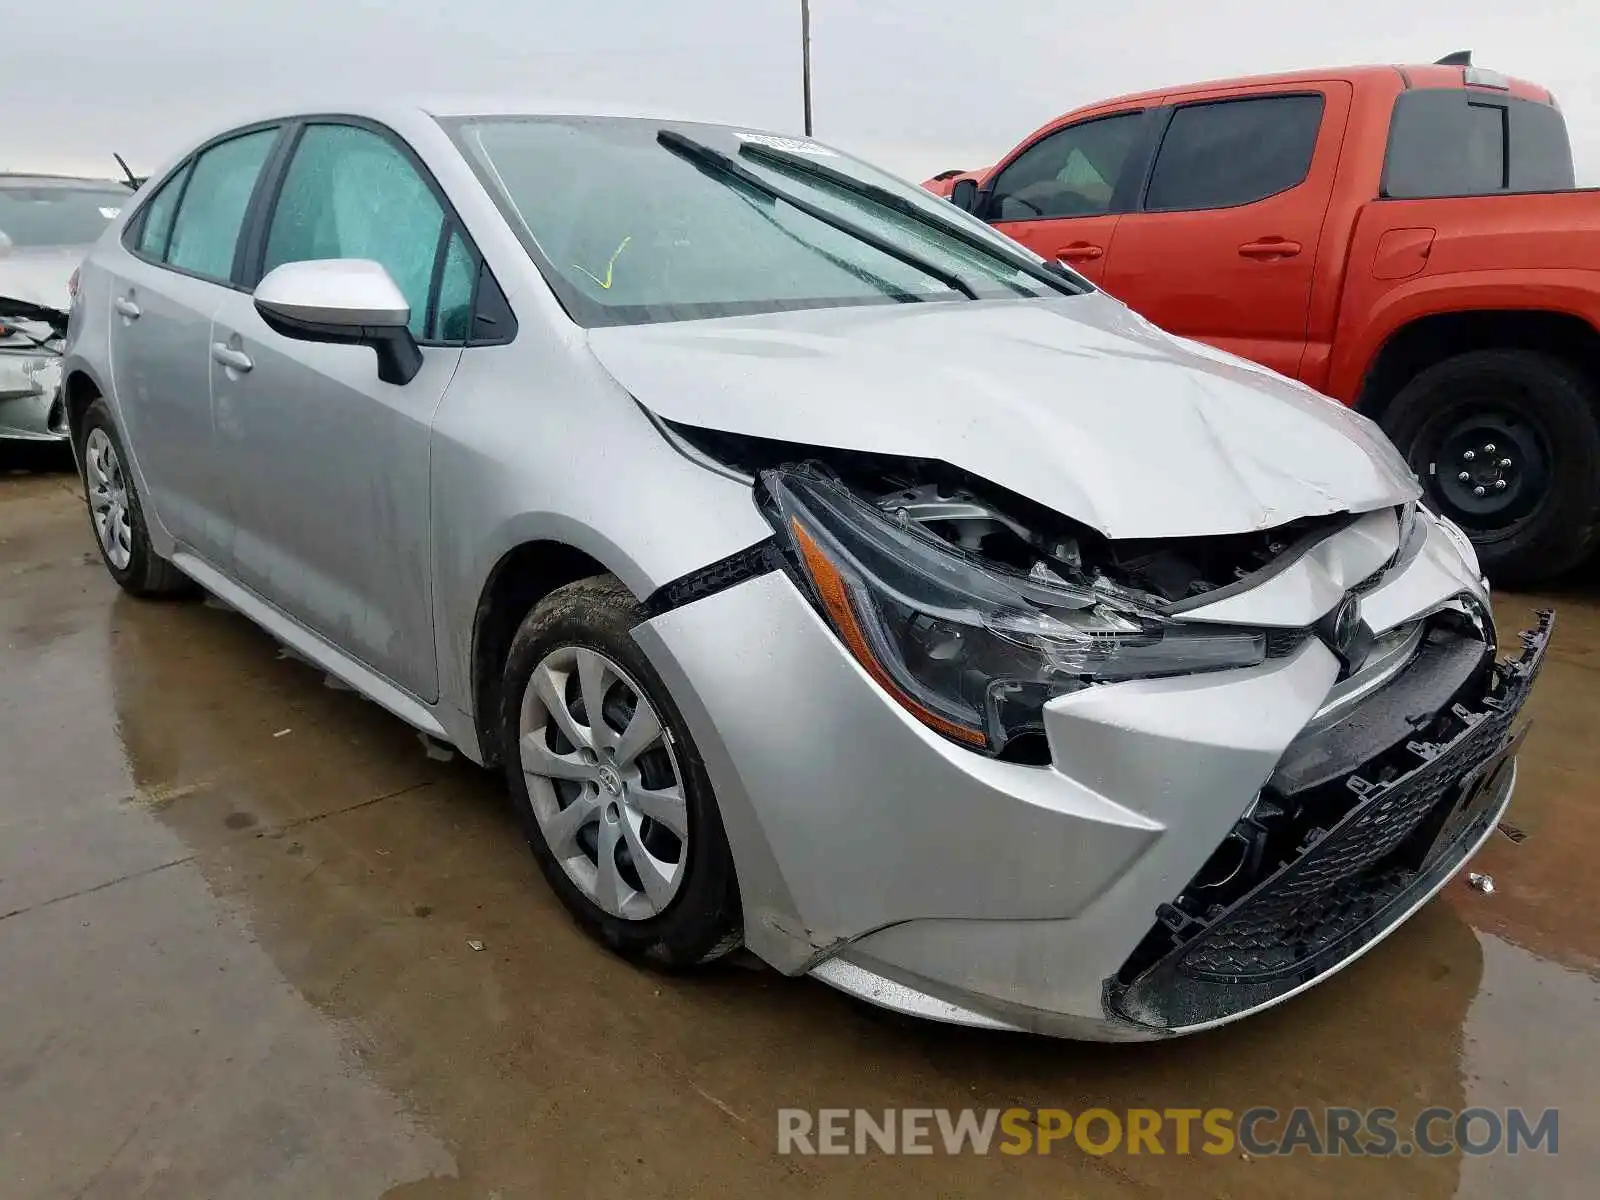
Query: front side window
point(626, 230)
point(205, 233)
point(352, 193)
point(452, 318)
point(47, 213)
point(1226, 153)
point(1074, 172)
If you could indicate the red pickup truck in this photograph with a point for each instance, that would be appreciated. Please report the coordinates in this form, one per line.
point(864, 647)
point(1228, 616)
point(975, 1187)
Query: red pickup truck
point(1407, 240)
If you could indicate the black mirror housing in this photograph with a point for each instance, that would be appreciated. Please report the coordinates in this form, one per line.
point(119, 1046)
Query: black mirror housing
point(964, 195)
point(399, 356)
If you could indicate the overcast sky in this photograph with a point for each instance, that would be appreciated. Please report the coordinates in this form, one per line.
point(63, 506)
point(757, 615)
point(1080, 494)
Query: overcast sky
point(918, 85)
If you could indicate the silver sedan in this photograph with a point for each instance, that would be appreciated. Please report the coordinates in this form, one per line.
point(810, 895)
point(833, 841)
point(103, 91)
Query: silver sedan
point(829, 575)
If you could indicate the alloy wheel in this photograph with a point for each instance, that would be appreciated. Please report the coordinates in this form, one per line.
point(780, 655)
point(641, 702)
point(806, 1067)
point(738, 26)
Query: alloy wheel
point(108, 498)
point(604, 781)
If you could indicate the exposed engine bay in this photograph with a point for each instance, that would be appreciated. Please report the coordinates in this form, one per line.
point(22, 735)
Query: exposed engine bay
point(1009, 531)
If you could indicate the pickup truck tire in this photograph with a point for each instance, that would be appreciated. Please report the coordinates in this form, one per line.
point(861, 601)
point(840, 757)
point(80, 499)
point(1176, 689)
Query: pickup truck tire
point(1507, 445)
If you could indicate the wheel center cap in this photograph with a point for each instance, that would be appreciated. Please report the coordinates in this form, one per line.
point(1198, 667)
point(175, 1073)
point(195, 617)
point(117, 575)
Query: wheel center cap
point(610, 780)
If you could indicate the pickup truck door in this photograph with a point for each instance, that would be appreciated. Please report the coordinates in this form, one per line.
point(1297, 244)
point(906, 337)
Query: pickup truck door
point(1221, 244)
point(1061, 192)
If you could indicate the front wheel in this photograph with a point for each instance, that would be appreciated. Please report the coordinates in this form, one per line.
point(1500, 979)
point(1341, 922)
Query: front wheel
point(613, 797)
point(1507, 445)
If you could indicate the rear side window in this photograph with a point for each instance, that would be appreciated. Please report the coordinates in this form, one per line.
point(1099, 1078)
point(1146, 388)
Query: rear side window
point(1452, 142)
point(205, 232)
point(155, 222)
point(1073, 172)
point(1231, 152)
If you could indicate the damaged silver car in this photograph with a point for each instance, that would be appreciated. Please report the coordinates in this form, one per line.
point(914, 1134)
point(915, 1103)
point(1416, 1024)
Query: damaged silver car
point(47, 224)
point(828, 574)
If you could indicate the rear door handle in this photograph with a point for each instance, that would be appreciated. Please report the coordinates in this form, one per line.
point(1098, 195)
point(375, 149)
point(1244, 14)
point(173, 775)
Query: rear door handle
point(126, 306)
point(229, 357)
point(1269, 247)
point(1080, 252)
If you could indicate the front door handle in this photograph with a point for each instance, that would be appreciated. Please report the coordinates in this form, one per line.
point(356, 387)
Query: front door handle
point(225, 354)
point(1269, 248)
point(1080, 252)
point(126, 306)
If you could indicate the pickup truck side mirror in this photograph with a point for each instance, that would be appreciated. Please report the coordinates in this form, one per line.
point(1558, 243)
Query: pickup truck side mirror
point(964, 195)
point(345, 301)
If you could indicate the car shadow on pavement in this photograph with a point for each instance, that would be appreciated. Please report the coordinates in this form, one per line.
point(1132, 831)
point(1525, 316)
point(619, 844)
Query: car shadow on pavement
point(35, 458)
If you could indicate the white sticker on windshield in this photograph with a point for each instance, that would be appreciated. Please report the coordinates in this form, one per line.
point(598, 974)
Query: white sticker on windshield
point(110, 214)
point(792, 145)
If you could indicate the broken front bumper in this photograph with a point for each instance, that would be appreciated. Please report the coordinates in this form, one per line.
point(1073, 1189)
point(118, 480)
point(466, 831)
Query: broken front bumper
point(31, 407)
point(1408, 833)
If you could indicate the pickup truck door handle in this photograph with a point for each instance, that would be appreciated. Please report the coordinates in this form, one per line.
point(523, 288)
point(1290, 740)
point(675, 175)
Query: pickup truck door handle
point(1269, 247)
point(126, 306)
point(229, 357)
point(1079, 252)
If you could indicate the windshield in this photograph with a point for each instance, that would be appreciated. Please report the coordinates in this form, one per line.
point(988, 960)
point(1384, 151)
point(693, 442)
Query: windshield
point(627, 231)
point(53, 214)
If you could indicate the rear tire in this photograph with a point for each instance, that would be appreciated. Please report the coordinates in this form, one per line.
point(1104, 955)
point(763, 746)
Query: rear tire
point(643, 805)
point(116, 516)
point(1507, 445)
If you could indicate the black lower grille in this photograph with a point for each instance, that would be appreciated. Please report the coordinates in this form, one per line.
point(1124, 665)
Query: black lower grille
point(1347, 884)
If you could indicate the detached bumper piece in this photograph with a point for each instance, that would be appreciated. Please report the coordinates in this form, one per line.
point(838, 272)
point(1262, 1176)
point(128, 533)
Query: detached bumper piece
point(1370, 847)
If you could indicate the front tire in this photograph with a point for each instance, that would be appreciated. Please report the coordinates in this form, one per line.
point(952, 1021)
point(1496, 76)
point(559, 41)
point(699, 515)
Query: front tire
point(1507, 445)
point(613, 796)
point(117, 517)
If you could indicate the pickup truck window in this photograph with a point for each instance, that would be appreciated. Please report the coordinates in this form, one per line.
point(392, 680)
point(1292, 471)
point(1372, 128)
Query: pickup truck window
point(1073, 172)
point(1231, 152)
point(1450, 142)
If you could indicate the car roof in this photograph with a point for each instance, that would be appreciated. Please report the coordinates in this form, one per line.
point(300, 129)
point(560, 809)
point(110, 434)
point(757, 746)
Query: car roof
point(1430, 75)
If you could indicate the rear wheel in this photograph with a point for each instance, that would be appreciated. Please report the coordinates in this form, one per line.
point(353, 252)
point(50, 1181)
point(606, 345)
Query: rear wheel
point(1507, 445)
point(116, 515)
point(613, 797)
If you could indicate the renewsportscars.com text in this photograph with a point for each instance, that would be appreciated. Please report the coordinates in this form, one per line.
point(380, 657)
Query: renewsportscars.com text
point(1260, 1131)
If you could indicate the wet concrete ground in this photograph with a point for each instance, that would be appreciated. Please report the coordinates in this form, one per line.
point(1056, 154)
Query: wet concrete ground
point(235, 914)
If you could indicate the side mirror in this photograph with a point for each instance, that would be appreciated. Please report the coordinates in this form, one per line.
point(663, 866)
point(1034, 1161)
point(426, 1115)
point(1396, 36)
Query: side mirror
point(964, 194)
point(345, 301)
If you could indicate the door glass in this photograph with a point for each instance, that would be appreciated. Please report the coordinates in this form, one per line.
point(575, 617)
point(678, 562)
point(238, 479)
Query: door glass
point(1073, 172)
point(351, 193)
point(452, 319)
point(206, 231)
point(1234, 152)
point(156, 223)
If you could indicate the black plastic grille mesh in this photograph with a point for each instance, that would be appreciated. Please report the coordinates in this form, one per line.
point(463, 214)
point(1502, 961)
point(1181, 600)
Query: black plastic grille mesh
point(1330, 890)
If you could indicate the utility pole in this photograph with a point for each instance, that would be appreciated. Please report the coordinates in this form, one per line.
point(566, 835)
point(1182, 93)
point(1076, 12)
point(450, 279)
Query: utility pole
point(805, 58)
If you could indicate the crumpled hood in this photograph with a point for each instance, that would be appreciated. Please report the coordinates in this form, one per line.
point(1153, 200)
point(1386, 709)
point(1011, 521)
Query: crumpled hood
point(39, 275)
point(1078, 404)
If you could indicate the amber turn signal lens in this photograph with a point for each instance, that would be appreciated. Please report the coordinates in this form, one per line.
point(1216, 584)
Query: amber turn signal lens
point(835, 598)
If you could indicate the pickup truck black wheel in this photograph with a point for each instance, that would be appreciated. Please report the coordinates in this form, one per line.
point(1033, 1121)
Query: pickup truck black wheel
point(1507, 445)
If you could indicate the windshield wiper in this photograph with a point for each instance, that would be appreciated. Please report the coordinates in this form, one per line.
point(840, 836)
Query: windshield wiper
point(710, 158)
point(1054, 276)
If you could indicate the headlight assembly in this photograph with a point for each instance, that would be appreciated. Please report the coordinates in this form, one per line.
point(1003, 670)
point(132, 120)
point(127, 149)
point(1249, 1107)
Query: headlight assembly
point(972, 649)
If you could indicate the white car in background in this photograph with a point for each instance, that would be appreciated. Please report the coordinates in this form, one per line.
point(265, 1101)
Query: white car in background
point(47, 224)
